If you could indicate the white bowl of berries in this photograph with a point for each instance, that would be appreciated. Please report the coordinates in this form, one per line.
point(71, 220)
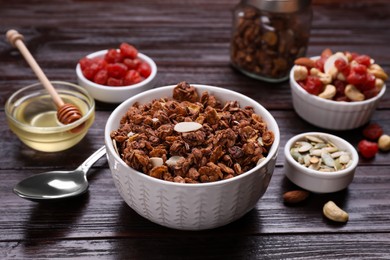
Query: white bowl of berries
point(115, 75)
point(337, 91)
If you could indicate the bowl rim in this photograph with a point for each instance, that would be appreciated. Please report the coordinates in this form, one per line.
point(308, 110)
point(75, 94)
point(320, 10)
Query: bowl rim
point(324, 175)
point(61, 127)
point(126, 104)
point(101, 53)
point(294, 85)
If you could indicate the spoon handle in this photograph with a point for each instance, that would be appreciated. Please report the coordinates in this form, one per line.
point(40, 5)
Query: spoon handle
point(84, 167)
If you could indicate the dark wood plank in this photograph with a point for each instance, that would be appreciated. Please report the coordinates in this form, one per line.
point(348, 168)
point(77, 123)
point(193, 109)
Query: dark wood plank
point(287, 246)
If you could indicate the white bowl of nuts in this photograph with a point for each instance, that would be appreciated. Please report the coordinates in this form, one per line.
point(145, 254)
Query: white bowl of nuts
point(337, 91)
point(320, 162)
point(191, 157)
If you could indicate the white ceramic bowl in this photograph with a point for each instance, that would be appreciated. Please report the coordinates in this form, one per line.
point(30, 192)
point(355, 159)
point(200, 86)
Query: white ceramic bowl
point(329, 114)
point(111, 94)
point(191, 206)
point(316, 181)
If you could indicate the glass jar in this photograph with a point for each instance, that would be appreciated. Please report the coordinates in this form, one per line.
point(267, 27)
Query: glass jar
point(268, 35)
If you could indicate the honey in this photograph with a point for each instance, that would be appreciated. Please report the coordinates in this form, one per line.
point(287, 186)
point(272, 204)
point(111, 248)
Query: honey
point(33, 118)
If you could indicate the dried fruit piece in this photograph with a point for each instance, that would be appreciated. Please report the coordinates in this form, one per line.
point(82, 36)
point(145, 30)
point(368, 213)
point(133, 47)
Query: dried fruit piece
point(295, 196)
point(118, 67)
point(367, 149)
point(354, 77)
point(333, 212)
point(373, 131)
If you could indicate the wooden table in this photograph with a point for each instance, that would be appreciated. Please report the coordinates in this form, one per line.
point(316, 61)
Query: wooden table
point(189, 40)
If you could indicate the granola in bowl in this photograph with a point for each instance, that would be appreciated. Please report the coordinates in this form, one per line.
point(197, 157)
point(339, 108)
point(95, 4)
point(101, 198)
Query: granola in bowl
point(192, 137)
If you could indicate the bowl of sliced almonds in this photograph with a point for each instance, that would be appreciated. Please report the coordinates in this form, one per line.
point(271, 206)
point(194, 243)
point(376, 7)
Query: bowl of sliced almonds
point(320, 162)
point(337, 91)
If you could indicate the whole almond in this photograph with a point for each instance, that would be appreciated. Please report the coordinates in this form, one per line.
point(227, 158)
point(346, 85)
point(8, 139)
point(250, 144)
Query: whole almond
point(295, 196)
point(305, 61)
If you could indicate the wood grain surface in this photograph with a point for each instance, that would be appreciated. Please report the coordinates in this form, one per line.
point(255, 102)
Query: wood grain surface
point(189, 40)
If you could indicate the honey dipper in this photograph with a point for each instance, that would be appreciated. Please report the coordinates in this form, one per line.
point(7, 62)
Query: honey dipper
point(66, 113)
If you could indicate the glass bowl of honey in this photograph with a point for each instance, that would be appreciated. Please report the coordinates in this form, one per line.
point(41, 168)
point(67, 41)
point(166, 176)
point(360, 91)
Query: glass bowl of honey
point(32, 116)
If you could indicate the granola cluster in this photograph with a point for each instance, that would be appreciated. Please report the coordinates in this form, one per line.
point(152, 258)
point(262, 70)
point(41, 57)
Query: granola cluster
point(229, 140)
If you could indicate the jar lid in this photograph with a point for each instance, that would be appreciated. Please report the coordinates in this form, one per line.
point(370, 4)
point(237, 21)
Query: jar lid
point(279, 6)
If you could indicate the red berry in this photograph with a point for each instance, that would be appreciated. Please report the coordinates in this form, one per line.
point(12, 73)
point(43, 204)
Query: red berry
point(373, 131)
point(359, 68)
point(313, 85)
point(342, 66)
point(85, 62)
point(128, 51)
point(132, 64)
point(367, 149)
point(113, 56)
point(101, 77)
point(370, 82)
point(356, 79)
point(132, 77)
point(340, 87)
point(144, 69)
point(363, 59)
point(371, 93)
point(116, 70)
point(319, 64)
point(114, 82)
point(100, 63)
point(90, 71)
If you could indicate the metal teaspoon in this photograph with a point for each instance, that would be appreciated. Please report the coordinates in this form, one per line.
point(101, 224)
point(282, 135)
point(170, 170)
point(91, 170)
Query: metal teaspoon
point(58, 184)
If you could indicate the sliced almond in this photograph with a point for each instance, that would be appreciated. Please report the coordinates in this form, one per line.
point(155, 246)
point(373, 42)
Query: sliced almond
point(156, 161)
point(172, 161)
point(115, 146)
point(184, 127)
point(260, 160)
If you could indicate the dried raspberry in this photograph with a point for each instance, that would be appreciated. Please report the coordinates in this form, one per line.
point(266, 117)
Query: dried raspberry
point(342, 66)
point(367, 149)
point(313, 85)
point(128, 51)
point(373, 131)
point(116, 70)
point(363, 59)
point(113, 56)
point(144, 69)
point(101, 77)
point(114, 82)
point(132, 64)
point(132, 77)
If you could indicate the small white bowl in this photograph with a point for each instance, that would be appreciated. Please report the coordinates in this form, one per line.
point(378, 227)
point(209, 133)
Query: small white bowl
point(111, 94)
point(330, 114)
point(317, 181)
point(191, 206)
